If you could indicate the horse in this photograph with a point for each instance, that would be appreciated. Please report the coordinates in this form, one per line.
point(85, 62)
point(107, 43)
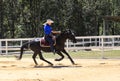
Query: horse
point(59, 47)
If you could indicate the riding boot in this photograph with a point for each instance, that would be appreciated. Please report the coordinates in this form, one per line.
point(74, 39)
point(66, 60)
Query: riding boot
point(51, 42)
point(54, 52)
point(52, 49)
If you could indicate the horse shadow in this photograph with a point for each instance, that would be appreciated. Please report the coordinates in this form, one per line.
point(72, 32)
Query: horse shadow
point(59, 66)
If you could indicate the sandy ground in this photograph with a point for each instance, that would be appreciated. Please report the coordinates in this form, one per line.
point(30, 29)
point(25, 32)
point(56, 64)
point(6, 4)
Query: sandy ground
point(85, 70)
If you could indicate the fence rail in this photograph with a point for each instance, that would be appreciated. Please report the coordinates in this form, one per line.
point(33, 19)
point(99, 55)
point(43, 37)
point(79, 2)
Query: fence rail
point(9, 46)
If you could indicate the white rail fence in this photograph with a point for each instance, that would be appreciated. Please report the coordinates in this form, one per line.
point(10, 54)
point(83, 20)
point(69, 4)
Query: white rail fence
point(11, 46)
point(95, 42)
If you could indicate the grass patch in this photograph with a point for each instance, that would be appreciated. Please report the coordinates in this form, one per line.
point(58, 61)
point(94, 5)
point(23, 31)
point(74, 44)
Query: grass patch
point(79, 54)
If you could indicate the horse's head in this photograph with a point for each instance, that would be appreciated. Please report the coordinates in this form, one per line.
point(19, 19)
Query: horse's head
point(70, 35)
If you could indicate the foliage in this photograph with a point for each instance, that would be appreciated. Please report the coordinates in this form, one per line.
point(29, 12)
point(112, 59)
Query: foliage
point(25, 18)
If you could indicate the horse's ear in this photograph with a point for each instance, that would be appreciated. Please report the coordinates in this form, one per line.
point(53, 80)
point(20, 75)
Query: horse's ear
point(63, 31)
point(72, 31)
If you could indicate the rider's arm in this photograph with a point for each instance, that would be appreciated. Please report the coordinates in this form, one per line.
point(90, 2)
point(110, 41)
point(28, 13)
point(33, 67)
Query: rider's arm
point(56, 32)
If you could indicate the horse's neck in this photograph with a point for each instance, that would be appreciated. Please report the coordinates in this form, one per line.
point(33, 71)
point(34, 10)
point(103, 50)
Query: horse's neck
point(61, 38)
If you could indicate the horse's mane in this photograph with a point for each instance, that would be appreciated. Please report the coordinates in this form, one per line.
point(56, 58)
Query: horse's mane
point(60, 35)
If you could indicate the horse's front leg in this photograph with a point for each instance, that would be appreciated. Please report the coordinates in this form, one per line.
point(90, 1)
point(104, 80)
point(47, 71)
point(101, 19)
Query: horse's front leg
point(42, 58)
point(60, 54)
point(64, 51)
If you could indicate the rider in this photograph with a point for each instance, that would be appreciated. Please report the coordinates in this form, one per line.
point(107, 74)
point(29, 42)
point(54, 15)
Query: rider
point(49, 33)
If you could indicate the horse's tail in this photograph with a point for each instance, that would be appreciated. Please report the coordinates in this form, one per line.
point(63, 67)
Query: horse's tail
point(24, 46)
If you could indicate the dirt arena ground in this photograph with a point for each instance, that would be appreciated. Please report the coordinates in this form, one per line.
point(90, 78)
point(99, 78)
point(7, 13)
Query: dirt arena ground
point(85, 70)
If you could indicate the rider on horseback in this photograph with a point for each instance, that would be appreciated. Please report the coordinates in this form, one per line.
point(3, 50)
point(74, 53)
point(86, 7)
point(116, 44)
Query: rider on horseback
point(49, 33)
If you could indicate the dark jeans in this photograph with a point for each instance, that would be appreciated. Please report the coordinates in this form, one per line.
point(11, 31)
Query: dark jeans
point(49, 39)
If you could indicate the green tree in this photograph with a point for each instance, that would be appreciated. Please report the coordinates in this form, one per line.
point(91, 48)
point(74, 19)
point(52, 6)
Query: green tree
point(25, 18)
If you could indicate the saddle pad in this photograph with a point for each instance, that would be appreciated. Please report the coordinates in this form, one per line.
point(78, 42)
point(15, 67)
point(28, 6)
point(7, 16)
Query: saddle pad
point(44, 43)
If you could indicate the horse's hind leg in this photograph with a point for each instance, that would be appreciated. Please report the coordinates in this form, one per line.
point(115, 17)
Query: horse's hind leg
point(42, 58)
point(34, 56)
point(62, 56)
point(64, 51)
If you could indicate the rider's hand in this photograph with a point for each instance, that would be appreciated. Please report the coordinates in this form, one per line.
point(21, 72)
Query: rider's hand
point(59, 32)
point(56, 32)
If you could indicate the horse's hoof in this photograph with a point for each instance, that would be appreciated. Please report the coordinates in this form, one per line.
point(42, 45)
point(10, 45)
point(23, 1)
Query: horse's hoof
point(35, 65)
point(18, 58)
point(51, 64)
point(75, 64)
point(57, 59)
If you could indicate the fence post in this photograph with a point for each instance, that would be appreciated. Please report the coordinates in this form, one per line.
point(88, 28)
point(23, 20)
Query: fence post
point(67, 44)
point(113, 42)
point(6, 45)
point(20, 43)
point(102, 40)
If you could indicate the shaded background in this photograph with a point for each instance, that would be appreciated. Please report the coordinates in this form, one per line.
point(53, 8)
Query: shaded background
point(24, 18)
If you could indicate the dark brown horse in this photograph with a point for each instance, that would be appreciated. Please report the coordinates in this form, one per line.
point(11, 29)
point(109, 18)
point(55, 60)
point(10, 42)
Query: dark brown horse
point(59, 47)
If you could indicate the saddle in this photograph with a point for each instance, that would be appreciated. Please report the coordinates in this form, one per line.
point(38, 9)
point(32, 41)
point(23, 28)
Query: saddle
point(44, 43)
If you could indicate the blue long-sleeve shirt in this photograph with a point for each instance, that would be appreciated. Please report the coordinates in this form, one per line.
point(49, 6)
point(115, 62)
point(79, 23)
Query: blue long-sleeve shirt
point(47, 29)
